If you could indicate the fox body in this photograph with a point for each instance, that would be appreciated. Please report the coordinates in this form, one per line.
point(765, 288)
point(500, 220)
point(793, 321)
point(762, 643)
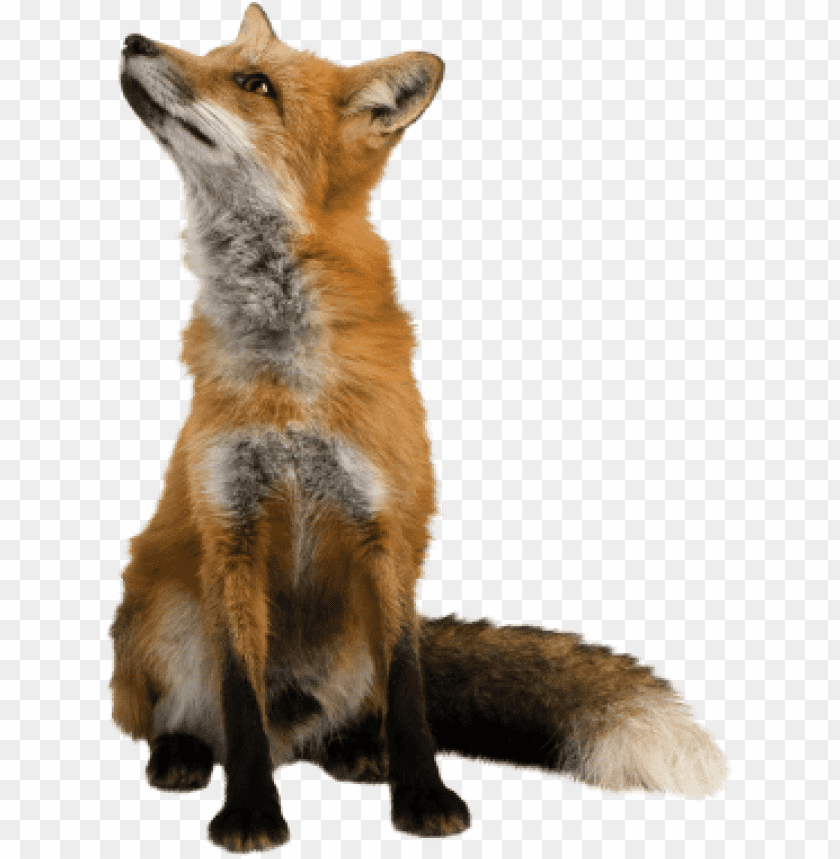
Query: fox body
point(269, 605)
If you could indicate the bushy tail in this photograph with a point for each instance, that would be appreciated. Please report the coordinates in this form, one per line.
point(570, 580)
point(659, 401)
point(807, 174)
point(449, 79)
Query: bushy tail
point(528, 696)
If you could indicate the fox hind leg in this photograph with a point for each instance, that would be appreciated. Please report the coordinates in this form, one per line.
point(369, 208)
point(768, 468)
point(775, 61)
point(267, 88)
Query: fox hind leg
point(187, 738)
point(358, 753)
point(133, 693)
point(179, 762)
point(162, 689)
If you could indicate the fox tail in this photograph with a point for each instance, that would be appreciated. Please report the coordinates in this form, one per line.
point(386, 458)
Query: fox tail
point(527, 696)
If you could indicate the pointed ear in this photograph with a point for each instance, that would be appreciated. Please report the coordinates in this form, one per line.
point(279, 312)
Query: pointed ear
point(255, 27)
point(383, 97)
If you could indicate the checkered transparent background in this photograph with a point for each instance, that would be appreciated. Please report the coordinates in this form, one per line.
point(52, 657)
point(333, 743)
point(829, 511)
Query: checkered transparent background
point(616, 227)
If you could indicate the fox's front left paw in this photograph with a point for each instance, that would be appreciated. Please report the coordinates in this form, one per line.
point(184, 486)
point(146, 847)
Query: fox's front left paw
point(428, 811)
point(241, 829)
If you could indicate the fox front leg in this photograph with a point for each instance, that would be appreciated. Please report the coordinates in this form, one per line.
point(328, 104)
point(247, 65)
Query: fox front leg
point(238, 475)
point(421, 804)
point(251, 818)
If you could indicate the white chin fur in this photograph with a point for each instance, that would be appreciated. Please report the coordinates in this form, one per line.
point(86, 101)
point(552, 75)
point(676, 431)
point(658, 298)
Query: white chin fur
point(654, 744)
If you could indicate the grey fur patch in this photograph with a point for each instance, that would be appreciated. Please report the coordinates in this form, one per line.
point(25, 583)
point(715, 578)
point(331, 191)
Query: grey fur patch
point(252, 289)
point(244, 467)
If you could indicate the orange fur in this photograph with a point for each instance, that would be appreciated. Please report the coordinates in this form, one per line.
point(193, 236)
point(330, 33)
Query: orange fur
point(358, 386)
point(294, 518)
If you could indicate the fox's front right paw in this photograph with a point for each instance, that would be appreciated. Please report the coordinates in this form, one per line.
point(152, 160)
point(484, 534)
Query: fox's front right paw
point(240, 828)
point(428, 811)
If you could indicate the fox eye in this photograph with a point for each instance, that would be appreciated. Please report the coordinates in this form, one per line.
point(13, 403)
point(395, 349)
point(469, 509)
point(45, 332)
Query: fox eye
point(257, 83)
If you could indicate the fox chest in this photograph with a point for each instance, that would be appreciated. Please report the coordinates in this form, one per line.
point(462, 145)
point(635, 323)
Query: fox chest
point(313, 474)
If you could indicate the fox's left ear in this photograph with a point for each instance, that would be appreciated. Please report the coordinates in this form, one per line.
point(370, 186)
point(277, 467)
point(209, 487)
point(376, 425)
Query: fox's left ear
point(383, 97)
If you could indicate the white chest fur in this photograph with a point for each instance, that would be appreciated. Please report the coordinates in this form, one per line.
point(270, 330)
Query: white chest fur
point(244, 467)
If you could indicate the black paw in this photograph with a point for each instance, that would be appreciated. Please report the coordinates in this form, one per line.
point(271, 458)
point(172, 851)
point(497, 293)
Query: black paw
point(241, 828)
point(357, 753)
point(428, 811)
point(346, 761)
point(360, 769)
point(179, 762)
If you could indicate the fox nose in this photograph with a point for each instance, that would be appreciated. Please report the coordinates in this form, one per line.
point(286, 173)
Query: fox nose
point(135, 44)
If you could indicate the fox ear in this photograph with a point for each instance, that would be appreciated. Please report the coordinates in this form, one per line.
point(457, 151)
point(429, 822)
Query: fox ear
point(384, 97)
point(255, 26)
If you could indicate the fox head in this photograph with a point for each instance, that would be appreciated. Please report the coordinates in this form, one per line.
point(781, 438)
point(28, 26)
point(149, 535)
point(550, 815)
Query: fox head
point(259, 120)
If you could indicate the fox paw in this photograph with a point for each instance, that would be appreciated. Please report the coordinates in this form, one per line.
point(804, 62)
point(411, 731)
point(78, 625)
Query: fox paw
point(357, 753)
point(428, 811)
point(241, 829)
point(179, 762)
point(359, 767)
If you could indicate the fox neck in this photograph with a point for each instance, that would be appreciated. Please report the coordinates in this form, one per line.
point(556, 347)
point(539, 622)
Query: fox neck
point(252, 287)
point(283, 303)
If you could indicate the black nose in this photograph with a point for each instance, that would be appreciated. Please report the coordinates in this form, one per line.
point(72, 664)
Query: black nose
point(140, 45)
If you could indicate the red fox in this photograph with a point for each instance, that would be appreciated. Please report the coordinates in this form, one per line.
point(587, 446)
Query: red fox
point(269, 606)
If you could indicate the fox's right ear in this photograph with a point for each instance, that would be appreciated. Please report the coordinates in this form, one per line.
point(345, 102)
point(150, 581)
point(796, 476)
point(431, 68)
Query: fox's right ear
point(255, 28)
point(382, 98)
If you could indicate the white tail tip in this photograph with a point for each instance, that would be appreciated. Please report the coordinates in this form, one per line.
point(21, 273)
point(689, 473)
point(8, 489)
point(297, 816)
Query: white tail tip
point(653, 743)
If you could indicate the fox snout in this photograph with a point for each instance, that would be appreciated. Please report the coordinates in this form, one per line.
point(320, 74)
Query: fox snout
point(137, 45)
point(157, 92)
